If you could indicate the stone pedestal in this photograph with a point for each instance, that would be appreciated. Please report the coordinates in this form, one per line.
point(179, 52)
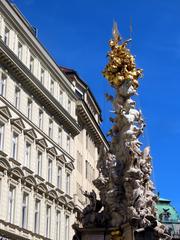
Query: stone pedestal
point(128, 232)
point(126, 229)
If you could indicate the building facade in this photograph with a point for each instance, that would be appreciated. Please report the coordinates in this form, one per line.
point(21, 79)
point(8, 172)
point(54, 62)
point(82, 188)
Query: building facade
point(49, 136)
point(89, 140)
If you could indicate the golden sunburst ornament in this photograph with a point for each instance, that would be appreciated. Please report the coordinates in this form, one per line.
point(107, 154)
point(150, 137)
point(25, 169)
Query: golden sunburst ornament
point(121, 66)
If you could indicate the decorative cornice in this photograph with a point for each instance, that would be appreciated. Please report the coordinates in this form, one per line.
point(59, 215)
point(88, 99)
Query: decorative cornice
point(35, 87)
point(42, 142)
point(42, 188)
point(30, 180)
point(17, 122)
point(15, 162)
point(20, 25)
point(27, 170)
point(69, 165)
point(30, 133)
point(4, 111)
point(3, 154)
point(52, 151)
point(4, 164)
point(16, 172)
point(61, 158)
point(52, 194)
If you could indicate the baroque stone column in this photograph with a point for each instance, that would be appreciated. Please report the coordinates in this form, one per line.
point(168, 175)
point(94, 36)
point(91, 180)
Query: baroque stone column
point(126, 190)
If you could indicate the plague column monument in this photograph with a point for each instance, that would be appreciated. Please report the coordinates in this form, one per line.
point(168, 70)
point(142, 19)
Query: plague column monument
point(126, 209)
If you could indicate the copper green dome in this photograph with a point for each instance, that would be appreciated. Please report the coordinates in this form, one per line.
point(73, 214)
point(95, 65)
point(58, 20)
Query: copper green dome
point(166, 212)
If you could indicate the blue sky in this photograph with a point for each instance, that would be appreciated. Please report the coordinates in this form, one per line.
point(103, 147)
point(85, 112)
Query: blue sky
point(76, 34)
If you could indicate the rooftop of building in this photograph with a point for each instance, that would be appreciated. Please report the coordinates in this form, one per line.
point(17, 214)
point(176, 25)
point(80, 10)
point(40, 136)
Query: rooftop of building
point(69, 72)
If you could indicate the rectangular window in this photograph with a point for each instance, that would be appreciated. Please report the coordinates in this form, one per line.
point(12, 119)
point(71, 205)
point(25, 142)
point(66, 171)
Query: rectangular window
point(49, 170)
point(25, 210)
point(60, 137)
point(59, 177)
point(40, 119)
point(58, 225)
point(3, 83)
point(14, 145)
point(1, 135)
point(6, 35)
point(50, 131)
point(48, 221)
point(27, 154)
point(42, 76)
point(29, 108)
point(60, 96)
point(31, 64)
point(37, 216)
point(11, 204)
point(39, 163)
point(66, 227)
point(52, 86)
point(68, 144)
point(69, 106)
point(19, 52)
point(67, 183)
point(17, 97)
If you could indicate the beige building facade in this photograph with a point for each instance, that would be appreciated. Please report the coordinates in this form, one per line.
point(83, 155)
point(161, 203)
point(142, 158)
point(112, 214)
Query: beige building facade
point(49, 136)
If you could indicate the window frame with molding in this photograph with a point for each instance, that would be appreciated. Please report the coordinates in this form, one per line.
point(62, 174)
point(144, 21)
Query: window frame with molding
point(11, 213)
point(27, 162)
point(25, 224)
point(17, 96)
point(37, 225)
point(3, 82)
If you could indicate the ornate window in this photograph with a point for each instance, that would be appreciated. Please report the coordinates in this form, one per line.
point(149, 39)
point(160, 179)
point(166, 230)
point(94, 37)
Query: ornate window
point(59, 177)
point(60, 136)
point(48, 221)
point(39, 162)
point(31, 64)
point(58, 225)
point(69, 106)
point(50, 130)
point(14, 145)
point(49, 170)
point(29, 108)
point(42, 75)
point(68, 183)
point(11, 203)
point(3, 79)
point(40, 119)
point(37, 216)
point(27, 154)
point(20, 50)
point(25, 198)
point(66, 227)
point(6, 35)
point(17, 97)
point(60, 96)
point(52, 86)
